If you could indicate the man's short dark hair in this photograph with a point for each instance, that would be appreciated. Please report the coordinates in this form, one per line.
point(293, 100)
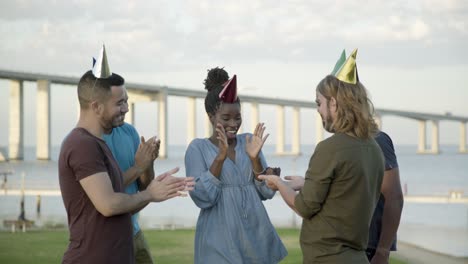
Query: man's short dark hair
point(91, 88)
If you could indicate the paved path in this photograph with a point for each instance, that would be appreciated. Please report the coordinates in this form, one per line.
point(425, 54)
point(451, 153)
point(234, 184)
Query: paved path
point(416, 255)
point(451, 241)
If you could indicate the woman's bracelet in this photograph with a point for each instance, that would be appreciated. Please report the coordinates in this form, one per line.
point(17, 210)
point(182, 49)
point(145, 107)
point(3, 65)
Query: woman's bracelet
point(259, 173)
point(274, 171)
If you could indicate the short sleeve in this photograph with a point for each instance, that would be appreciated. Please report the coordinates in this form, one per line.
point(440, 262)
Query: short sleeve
point(86, 158)
point(135, 137)
point(386, 145)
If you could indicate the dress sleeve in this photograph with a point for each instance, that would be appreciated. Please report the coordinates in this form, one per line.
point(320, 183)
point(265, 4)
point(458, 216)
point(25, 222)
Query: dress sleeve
point(207, 188)
point(263, 191)
point(318, 178)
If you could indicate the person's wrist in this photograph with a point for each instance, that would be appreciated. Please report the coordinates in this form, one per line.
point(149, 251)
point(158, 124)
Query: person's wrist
point(253, 158)
point(147, 196)
point(278, 181)
point(382, 251)
point(139, 169)
point(258, 172)
point(220, 157)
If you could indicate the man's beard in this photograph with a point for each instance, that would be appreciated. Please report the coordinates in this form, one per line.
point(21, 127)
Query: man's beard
point(328, 123)
point(109, 124)
point(116, 122)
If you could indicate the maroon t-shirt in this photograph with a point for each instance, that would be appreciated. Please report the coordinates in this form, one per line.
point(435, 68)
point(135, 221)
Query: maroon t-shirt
point(94, 238)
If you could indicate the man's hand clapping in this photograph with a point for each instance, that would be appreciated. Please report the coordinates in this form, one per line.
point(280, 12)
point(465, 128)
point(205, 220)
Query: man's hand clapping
point(167, 186)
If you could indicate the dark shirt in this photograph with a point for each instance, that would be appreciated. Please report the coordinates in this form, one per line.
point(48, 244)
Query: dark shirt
point(94, 238)
point(386, 144)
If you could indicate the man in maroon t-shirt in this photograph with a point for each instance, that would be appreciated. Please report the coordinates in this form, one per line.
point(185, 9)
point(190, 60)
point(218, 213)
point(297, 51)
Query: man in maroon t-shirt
point(98, 209)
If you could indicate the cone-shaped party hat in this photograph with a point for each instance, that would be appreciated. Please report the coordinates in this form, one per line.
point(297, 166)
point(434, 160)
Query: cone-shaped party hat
point(347, 71)
point(101, 65)
point(229, 92)
point(339, 62)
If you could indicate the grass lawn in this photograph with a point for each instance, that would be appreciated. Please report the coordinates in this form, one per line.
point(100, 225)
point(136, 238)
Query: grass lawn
point(166, 246)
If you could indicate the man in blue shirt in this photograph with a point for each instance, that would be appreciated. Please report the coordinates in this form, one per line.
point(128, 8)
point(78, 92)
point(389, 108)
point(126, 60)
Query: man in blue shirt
point(135, 157)
point(386, 218)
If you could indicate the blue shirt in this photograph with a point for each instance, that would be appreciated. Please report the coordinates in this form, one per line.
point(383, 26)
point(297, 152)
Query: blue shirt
point(123, 142)
point(386, 145)
point(233, 225)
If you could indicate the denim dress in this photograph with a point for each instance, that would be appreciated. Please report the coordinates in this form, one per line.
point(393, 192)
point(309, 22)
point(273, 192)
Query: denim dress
point(233, 225)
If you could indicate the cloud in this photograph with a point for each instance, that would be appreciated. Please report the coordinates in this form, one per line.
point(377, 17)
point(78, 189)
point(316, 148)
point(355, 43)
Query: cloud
point(170, 35)
point(408, 50)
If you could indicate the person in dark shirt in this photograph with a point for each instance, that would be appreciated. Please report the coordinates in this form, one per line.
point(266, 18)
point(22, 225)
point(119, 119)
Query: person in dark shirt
point(387, 214)
point(91, 183)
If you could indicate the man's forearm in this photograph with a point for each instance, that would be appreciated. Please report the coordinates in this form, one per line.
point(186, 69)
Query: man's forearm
point(288, 194)
point(121, 203)
point(390, 222)
point(132, 174)
point(139, 209)
point(146, 178)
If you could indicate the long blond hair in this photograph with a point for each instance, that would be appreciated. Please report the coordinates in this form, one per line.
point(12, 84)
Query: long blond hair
point(354, 108)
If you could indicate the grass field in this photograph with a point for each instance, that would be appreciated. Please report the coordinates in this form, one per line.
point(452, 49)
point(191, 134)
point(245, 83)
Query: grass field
point(167, 246)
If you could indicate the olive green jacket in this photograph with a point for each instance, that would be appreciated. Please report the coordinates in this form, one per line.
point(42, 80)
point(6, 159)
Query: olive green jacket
point(341, 190)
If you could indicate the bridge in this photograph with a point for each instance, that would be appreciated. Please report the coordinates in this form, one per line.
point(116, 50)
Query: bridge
point(156, 93)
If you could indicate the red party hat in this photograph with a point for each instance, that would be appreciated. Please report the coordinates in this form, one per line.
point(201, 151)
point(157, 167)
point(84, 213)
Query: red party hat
point(229, 92)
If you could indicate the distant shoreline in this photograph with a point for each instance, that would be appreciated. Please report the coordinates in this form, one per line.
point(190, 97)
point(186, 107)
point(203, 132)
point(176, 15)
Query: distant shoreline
point(424, 199)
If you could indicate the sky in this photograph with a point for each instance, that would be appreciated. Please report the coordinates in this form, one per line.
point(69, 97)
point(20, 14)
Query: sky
point(411, 54)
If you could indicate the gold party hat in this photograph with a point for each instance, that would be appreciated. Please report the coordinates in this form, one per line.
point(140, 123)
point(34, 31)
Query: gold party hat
point(347, 72)
point(101, 66)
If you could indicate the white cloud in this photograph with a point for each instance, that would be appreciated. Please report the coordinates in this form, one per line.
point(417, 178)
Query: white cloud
point(275, 47)
point(437, 6)
point(156, 32)
point(418, 30)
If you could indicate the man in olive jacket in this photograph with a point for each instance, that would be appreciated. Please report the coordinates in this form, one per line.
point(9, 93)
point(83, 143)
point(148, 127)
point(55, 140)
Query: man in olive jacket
point(342, 184)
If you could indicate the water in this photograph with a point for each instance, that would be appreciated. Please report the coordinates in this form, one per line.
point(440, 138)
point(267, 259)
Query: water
point(447, 224)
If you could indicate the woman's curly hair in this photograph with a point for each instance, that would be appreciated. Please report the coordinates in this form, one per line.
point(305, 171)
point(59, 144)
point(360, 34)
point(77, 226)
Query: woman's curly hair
point(214, 82)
